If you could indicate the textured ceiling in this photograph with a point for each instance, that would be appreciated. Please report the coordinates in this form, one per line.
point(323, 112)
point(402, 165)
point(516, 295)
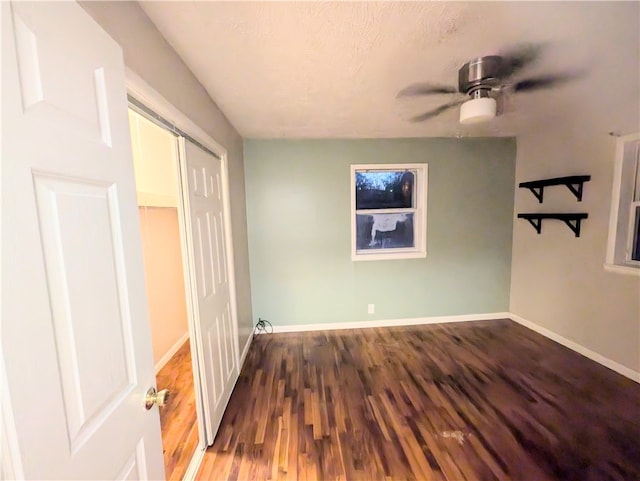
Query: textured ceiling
point(333, 69)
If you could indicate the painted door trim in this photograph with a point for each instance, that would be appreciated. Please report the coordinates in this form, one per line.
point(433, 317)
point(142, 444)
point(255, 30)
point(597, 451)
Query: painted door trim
point(143, 92)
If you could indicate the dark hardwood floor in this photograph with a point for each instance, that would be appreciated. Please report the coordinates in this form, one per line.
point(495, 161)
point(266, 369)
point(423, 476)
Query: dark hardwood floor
point(487, 400)
point(178, 417)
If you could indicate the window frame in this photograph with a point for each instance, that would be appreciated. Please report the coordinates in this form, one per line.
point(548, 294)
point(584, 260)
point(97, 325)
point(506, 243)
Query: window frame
point(626, 185)
point(419, 214)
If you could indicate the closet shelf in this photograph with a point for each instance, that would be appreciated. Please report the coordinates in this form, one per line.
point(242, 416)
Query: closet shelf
point(574, 183)
point(572, 220)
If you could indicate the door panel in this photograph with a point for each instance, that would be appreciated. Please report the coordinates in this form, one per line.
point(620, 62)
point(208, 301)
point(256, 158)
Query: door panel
point(42, 53)
point(135, 467)
point(216, 340)
point(75, 332)
point(91, 329)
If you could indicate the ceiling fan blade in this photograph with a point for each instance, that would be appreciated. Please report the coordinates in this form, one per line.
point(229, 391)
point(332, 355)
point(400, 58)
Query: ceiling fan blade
point(436, 111)
point(426, 89)
point(542, 82)
point(518, 58)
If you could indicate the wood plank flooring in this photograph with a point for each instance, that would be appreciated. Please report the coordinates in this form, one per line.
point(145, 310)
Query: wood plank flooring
point(178, 417)
point(485, 400)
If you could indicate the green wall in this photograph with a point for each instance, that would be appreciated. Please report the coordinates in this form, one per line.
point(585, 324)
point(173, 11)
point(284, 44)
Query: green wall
point(298, 214)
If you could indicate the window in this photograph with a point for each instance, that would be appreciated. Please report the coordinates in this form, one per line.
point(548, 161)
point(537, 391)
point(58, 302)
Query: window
point(623, 250)
point(388, 211)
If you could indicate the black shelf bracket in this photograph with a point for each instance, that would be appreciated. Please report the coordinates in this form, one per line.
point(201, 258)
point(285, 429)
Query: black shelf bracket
point(574, 183)
point(572, 220)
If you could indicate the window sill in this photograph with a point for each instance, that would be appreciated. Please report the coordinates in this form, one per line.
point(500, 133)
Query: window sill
point(388, 256)
point(626, 270)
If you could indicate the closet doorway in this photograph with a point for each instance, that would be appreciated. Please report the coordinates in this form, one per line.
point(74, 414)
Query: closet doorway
point(155, 154)
point(182, 177)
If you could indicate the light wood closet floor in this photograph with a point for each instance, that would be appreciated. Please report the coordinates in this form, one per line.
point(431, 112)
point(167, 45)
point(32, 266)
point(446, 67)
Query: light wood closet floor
point(178, 417)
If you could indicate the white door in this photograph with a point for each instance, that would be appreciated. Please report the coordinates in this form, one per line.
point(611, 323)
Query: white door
point(215, 339)
point(75, 332)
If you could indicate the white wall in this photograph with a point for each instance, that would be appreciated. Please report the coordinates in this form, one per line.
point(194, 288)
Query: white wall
point(155, 162)
point(152, 58)
point(558, 281)
point(164, 280)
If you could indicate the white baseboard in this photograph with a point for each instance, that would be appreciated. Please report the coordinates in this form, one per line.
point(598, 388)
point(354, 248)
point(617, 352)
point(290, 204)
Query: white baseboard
point(194, 465)
point(169, 354)
point(574, 346)
point(594, 356)
point(390, 322)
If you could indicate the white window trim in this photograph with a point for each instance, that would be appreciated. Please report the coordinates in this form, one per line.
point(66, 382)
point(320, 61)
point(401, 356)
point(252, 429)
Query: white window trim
point(420, 215)
point(613, 263)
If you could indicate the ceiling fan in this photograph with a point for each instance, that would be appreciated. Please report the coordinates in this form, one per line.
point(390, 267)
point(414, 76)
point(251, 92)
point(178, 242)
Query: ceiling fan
point(484, 80)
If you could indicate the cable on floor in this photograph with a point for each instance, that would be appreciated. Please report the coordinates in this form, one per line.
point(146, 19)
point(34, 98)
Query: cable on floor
point(262, 327)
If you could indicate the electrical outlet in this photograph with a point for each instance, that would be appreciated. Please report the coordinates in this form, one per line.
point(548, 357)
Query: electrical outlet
point(371, 308)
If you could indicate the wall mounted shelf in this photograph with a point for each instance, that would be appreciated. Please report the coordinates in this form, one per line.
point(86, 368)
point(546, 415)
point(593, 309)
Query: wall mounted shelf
point(572, 220)
point(574, 183)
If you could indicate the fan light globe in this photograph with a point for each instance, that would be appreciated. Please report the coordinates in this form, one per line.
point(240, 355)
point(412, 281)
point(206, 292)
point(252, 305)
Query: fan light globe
point(477, 110)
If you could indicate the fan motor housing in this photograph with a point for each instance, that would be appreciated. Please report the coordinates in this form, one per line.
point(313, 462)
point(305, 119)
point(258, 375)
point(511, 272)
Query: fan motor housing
point(479, 73)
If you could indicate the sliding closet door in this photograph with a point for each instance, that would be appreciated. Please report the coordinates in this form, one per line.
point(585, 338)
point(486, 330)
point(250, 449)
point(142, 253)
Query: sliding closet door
point(216, 346)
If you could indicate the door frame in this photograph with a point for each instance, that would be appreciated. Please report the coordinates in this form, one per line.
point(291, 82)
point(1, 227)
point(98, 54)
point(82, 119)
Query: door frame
point(149, 97)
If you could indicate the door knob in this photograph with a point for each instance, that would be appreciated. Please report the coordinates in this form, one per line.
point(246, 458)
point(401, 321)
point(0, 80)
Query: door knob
point(156, 397)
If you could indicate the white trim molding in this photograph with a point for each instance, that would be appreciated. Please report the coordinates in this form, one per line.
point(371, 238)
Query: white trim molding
point(625, 270)
point(624, 200)
point(390, 322)
point(147, 95)
point(170, 353)
point(143, 92)
point(574, 346)
point(194, 464)
point(418, 210)
point(198, 455)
